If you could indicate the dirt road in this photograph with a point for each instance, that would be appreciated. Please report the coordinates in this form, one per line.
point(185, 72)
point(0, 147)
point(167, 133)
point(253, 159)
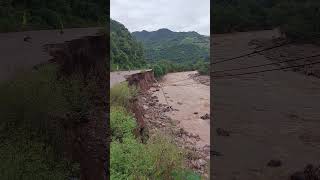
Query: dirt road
point(120, 76)
point(191, 99)
point(270, 116)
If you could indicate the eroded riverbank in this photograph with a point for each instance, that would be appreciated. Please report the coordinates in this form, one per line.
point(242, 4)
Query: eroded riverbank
point(179, 105)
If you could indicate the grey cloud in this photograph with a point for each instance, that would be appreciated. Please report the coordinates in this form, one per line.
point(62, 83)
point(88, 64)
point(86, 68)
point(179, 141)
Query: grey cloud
point(150, 15)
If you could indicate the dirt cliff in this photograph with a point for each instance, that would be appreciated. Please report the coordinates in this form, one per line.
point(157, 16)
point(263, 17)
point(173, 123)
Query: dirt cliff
point(86, 137)
point(143, 81)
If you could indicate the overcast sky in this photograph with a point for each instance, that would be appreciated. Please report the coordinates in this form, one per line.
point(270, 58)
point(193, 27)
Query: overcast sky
point(151, 15)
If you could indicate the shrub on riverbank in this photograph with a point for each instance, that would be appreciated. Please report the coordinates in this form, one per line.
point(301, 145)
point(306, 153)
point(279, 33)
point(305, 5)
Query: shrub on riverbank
point(121, 94)
point(298, 20)
point(161, 68)
point(32, 146)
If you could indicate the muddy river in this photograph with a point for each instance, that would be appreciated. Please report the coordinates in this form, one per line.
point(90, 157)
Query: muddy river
point(191, 99)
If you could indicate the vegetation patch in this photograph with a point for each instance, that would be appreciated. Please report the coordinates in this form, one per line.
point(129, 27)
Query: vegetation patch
point(297, 19)
point(163, 67)
point(178, 47)
point(17, 15)
point(121, 94)
point(158, 158)
point(32, 146)
point(163, 51)
point(126, 52)
point(27, 158)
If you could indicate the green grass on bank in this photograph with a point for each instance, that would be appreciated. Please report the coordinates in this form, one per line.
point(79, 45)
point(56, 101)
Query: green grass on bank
point(158, 158)
point(121, 94)
point(24, 157)
point(31, 133)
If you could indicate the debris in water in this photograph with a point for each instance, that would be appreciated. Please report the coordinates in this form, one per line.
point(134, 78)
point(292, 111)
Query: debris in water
point(27, 38)
point(206, 116)
point(216, 153)
point(274, 163)
point(222, 132)
point(310, 173)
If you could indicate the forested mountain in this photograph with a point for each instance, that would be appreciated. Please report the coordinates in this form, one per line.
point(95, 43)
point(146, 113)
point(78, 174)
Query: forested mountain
point(126, 52)
point(167, 51)
point(298, 19)
point(165, 44)
point(240, 15)
point(17, 15)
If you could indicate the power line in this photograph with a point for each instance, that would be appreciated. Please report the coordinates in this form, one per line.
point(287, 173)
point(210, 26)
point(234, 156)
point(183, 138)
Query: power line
point(268, 70)
point(252, 53)
point(262, 65)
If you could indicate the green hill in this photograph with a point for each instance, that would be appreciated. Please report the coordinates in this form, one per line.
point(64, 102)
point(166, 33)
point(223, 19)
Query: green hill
point(126, 52)
point(174, 46)
point(18, 15)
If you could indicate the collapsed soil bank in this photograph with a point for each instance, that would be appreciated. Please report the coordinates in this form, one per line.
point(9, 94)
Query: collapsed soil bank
point(152, 116)
point(86, 138)
point(143, 80)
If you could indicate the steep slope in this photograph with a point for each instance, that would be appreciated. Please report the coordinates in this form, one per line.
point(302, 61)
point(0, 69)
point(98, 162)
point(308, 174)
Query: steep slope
point(126, 52)
point(174, 46)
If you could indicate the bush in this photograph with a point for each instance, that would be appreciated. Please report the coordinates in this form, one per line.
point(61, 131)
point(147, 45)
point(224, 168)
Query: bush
point(122, 123)
point(158, 71)
point(202, 67)
point(121, 94)
point(163, 67)
point(27, 101)
point(239, 15)
point(158, 159)
point(33, 104)
point(298, 20)
point(26, 159)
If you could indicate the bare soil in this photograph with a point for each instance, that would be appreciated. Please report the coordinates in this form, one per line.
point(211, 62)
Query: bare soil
point(270, 117)
point(117, 77)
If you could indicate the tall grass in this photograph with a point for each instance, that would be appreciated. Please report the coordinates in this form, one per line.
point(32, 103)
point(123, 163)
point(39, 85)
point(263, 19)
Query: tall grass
point(31, 108)
point(121, 94)
point(26, 101)
point(25, 159)
point(122, 123)
point(159, 158)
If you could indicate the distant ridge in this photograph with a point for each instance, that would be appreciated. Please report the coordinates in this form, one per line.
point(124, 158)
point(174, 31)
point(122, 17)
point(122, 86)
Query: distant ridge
point(165, 44)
